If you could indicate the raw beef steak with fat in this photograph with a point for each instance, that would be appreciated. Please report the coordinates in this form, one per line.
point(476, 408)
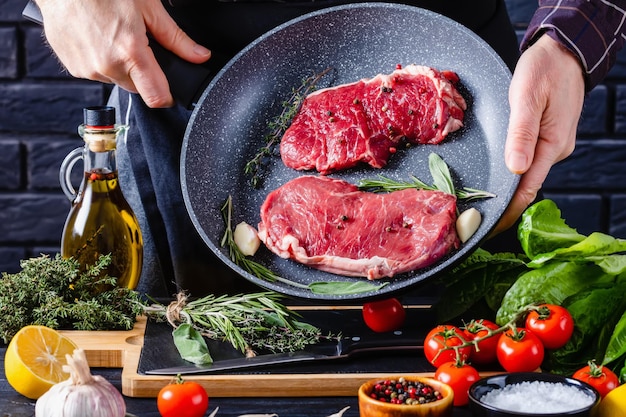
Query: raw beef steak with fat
point(336, 128)
point(331, 225)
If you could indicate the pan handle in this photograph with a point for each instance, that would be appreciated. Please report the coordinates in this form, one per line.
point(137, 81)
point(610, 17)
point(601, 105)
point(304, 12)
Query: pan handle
point(187, 81)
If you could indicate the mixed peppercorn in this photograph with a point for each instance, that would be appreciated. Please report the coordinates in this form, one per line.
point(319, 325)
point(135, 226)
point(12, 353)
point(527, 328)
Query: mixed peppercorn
point(404, 391)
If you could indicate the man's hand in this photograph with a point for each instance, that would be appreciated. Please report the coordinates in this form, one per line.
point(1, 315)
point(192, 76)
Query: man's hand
point(107, 41)
point(546, 98)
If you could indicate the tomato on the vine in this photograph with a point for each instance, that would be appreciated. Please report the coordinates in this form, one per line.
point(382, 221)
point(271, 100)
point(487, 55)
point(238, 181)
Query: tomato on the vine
point(460, 376)
point(384, 315)
point(442, 337)
point(552, 324)
point(483, 352)
point(598, 376)
point(519, 350)
point(182, 399)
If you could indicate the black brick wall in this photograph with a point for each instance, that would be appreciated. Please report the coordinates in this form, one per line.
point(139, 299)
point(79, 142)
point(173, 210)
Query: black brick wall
point(41, 106)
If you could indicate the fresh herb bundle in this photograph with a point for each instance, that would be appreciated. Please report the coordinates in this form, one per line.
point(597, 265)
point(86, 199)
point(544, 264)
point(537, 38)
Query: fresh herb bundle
point(57, 293)
point(249, 322)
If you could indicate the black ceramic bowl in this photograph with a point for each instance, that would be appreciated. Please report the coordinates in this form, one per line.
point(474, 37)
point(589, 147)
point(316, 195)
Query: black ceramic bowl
point(524, 382)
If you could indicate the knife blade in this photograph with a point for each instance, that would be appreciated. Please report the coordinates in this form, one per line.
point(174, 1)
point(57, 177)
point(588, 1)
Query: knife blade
point(345, 347)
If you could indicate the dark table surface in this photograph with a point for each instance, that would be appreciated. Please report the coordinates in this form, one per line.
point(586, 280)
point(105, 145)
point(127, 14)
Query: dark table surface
point(13, 404)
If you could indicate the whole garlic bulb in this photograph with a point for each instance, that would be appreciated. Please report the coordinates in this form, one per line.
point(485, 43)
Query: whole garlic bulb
point(82, 395)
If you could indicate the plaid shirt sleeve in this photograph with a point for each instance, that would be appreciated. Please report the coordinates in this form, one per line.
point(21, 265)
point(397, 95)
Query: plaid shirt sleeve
point(594, 30)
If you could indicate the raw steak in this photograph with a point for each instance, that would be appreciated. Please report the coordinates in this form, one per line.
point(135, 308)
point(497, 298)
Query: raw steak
point(338, 127)
point(330, 225)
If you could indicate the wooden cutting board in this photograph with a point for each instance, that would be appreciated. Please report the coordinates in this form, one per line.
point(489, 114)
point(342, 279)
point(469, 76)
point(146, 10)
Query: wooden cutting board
point(122, 349)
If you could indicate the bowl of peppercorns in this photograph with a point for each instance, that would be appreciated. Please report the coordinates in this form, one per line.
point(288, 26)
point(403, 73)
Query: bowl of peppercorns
point(401, 396)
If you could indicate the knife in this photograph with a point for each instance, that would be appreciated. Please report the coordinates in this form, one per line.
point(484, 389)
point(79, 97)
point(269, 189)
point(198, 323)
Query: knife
point(343, 348)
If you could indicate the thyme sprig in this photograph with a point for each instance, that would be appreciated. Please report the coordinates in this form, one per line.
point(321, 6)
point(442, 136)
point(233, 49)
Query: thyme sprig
point(279, 124)
point(442, 181)
point(249, 322)
point(262, 272)
point(60, 294)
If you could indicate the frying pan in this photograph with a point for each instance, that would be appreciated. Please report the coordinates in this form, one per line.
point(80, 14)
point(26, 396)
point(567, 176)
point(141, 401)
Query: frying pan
point(229, 123)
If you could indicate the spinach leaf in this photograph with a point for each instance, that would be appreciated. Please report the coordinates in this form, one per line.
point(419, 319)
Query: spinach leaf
point(596, 247)
point(617, 344)
point(552, 283)
point(474, 279)
point(595, 311)
point(542, 230)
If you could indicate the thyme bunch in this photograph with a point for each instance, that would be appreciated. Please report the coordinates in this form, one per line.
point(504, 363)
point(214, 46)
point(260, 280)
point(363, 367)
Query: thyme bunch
point(442, 181)
point(58, 293)
point(279, 124)
point(249, 322)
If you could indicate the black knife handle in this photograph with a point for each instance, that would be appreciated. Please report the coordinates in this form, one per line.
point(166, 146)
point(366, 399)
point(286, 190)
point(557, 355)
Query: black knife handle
point(186, 80)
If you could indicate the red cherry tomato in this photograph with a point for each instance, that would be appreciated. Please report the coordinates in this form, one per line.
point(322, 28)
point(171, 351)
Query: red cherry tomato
point(486, 351)
point(598, 376)
point(441, 337)
point(384, 315)
point(460, 377)
point(552, 324)
point(519, 350)
point(182, 399)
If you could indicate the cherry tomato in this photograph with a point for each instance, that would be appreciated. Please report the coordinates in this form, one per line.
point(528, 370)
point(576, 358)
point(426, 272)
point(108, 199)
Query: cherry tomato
point(460, 377)
point(384, 315)
point(441, 337)
point(486, 351)
point(182, 399)
point(552, 324)
point(598, 376)
point(519, 350)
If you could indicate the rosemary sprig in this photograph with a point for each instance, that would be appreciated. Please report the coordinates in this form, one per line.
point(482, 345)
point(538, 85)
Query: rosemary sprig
point(442, 181)
point(262, 272)
point(249, 322)
point(279, 124)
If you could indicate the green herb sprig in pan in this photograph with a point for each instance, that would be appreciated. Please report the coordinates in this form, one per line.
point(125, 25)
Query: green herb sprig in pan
point(442, 181)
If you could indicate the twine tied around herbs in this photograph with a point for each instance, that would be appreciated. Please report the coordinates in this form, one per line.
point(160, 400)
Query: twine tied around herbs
point(174, 309)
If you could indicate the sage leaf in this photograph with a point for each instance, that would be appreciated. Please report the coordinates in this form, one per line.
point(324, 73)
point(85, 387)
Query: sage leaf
point(344, 287)
point(441, 174)
point(191, 345)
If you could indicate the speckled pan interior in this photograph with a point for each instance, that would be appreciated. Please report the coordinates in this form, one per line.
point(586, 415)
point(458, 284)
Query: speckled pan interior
point(228, 126)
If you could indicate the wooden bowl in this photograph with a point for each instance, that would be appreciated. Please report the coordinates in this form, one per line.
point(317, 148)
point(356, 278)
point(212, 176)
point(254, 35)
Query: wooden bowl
point(370, 407)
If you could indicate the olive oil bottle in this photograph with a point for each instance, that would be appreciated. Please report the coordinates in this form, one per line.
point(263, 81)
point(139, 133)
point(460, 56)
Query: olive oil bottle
point(100, 221)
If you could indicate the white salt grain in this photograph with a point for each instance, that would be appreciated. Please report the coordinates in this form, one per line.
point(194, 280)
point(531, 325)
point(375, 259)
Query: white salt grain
point(538, 396)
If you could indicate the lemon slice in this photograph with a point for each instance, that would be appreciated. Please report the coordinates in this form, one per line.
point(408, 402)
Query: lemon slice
point(34, 360)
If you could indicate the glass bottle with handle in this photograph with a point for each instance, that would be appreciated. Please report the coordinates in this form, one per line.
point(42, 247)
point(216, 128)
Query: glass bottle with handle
point(100, 221)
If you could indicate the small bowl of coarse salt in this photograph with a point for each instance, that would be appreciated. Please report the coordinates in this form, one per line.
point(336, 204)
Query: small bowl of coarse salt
point(532, 394)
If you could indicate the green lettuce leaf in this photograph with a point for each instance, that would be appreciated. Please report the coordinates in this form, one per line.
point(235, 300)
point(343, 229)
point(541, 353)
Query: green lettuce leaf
point(542, 230)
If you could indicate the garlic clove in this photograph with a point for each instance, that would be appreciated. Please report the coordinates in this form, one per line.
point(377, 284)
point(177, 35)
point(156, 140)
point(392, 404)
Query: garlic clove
point(246, 238)
point(467, 224)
